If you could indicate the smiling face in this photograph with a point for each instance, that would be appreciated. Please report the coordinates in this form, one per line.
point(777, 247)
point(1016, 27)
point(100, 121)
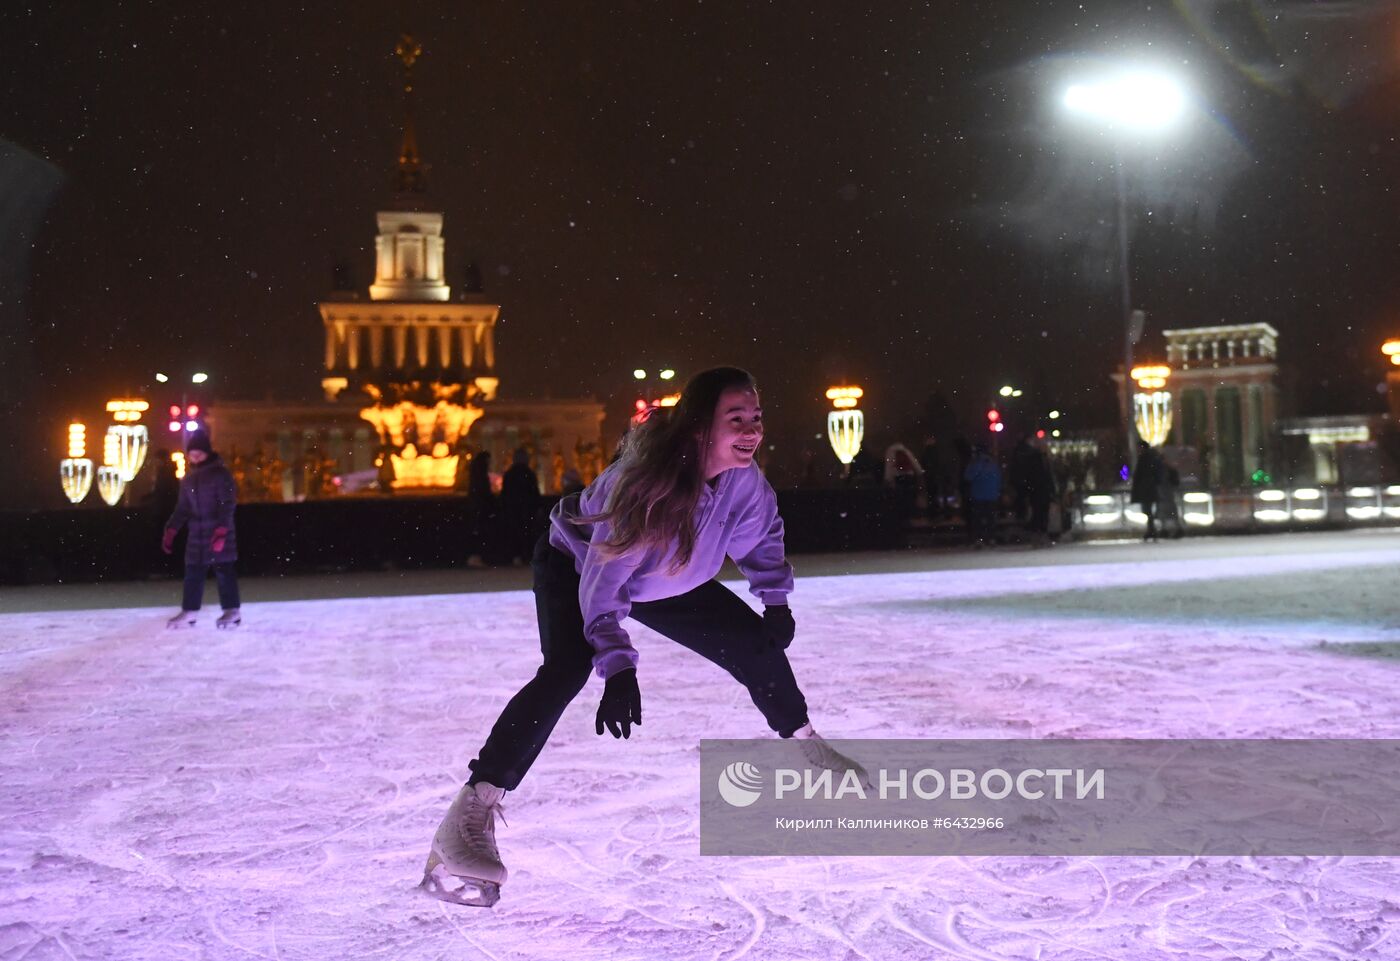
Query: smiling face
point(736, 431)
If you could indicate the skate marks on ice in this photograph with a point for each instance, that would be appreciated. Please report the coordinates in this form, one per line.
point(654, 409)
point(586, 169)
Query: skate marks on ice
point(271, 792)
point(1351, 602)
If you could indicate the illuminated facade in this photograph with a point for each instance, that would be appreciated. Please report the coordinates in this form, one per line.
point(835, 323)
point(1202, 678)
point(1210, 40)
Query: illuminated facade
point(1220, 422)
point(1224, 400)
point(408, 377)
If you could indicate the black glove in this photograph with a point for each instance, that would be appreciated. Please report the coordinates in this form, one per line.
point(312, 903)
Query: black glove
point(621, 706)
point(778, 627)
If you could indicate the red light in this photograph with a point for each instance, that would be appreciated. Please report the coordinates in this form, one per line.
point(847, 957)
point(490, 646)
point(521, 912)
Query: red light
point(993, 416)
point(193, 411)
point(641, 404)
point(174, 411)
point(1040, 435)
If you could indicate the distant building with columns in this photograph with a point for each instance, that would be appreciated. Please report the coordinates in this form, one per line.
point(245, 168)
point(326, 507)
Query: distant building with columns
point(1229, 423)
point(1225, 383)
point(410, 388)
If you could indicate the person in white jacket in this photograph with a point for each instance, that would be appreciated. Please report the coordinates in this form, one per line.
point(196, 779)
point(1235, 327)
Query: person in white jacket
point(644, 540)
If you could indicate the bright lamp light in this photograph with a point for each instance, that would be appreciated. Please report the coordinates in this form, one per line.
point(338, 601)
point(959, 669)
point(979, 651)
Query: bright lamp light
point(1136, 100)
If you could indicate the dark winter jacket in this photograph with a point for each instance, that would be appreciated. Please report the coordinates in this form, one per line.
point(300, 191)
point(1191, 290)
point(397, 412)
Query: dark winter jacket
point(520, 491)
point(983, 478)
point(207, 500)
point(1147, 477)
point(1040, 486)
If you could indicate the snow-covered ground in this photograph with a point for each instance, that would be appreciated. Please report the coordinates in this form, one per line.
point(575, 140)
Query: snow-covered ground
point(270, 792)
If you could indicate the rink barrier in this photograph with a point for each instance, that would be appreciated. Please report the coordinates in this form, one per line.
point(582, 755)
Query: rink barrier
point(1311, 507)
point(89, 544)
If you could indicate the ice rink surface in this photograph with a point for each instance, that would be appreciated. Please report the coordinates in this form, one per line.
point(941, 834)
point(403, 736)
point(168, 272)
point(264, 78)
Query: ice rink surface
point(270, 792)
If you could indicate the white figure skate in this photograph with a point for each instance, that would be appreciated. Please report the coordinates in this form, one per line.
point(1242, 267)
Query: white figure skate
point(229, 618)
point(464, 866)
point(182, 620)
point(821, 754)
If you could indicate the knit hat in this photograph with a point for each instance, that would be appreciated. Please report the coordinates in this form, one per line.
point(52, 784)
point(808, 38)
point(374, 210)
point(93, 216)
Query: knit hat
point(198, 440)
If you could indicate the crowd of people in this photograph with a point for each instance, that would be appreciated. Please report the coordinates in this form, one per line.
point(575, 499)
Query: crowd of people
point(507, 523)
point(988, 492)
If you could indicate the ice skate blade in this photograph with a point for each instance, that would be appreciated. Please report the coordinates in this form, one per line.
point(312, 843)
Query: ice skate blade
point(470, 892)
point(227, 625)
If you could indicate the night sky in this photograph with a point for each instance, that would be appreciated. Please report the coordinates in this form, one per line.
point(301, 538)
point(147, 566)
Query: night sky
point(880, 192)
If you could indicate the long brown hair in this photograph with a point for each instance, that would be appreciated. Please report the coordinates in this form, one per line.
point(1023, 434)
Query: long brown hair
point(652, 503)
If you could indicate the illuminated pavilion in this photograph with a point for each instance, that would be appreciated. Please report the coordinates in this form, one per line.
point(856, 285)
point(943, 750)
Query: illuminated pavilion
point(409, 379)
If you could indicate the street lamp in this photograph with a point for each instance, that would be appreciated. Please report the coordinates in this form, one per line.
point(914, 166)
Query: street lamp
point(1127, 103)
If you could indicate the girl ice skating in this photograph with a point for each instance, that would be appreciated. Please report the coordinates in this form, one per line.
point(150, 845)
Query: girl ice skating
point(645, 540)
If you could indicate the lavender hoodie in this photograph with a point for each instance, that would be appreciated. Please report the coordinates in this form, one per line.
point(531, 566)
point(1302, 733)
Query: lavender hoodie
point(737, 516)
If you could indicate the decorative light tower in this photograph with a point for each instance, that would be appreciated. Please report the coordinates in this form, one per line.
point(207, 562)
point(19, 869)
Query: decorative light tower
point(110, 483)
point(132, 439)
point(75, 471)
point(845, 426)
point(1152, 404)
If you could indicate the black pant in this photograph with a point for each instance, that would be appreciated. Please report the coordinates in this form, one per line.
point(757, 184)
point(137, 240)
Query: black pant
point(1150, 509)
point(1040, 516)
point(981, 521)
point(194, 585)
point(710, 620)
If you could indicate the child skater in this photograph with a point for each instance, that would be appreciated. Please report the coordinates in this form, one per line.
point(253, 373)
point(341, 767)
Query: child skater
point(644, 540)
point(207, 500)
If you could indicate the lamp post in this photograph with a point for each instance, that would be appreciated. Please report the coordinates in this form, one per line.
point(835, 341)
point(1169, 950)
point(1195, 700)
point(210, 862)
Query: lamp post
point(1127, 103)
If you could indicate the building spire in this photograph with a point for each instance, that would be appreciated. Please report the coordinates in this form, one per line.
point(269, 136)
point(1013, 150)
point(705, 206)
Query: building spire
point(411, 177)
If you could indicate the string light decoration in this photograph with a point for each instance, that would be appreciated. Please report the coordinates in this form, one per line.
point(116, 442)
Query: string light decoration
point(75, 470)
point(110, 484)
point(127, 410)
point(845, 426)
point(132, 442)
point(1152, 404)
